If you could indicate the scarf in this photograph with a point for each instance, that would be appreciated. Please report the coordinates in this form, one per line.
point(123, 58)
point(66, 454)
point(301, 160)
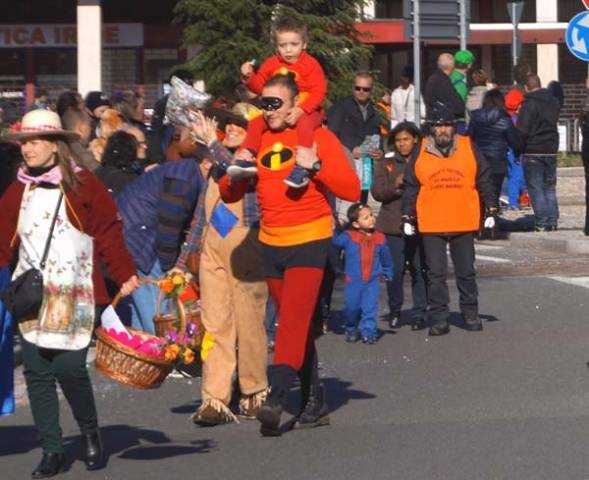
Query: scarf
point(45, 175)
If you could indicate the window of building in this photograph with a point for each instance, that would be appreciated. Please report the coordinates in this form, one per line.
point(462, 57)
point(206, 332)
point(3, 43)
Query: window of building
point(388, 8)
point(567, 9)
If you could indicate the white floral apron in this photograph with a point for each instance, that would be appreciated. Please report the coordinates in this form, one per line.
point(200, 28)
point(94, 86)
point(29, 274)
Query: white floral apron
point(66, 318)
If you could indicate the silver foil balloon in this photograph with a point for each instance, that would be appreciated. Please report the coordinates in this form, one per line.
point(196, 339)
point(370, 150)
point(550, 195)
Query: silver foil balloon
point(183, 101)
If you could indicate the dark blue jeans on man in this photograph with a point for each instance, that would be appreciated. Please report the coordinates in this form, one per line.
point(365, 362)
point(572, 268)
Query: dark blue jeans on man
point(407, 250)
point(540, 173)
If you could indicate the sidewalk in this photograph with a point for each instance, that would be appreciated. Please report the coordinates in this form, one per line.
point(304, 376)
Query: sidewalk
point(569, 238)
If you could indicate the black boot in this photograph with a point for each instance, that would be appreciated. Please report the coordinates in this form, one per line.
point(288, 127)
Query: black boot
point(315, 413)
point(418, 324)
point(92, 451)
point(473, 323)
point(51, 464)
point(439, 328)
point(313, 407)
point(270, 412)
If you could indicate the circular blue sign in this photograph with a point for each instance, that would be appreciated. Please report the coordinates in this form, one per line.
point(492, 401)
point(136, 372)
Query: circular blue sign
point(577, 36)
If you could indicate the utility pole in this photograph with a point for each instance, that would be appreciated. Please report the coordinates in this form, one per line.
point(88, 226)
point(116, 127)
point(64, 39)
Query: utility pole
point(463, 24)
point(417, 62)
point(515, 9)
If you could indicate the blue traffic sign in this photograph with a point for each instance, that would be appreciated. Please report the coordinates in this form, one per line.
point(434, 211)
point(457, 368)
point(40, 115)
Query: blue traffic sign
point(577, 36)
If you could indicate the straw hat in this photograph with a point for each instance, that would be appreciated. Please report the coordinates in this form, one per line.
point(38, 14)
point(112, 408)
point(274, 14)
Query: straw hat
point(240, 114)
point(41, 123)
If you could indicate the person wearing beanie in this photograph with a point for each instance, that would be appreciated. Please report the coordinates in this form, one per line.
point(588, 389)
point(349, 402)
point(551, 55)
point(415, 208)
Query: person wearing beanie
point(516, 184)
point(463, 62)
point(96, 103)
point(444, 186)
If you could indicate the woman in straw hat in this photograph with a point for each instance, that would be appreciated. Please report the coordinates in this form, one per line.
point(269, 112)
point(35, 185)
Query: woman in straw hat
point(49, 185)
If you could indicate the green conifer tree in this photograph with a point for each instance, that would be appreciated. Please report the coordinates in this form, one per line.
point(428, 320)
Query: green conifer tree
point(230, 32)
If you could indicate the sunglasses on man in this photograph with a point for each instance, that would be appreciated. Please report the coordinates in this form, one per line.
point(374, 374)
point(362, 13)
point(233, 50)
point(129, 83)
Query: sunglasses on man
point(270, 103)
point(358, 88)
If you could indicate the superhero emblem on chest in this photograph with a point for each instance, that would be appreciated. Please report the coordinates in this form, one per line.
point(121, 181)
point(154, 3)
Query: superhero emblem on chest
point(286, 71)
point(277, 157)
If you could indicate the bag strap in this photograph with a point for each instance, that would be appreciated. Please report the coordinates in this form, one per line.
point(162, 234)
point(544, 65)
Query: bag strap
point(48, 241)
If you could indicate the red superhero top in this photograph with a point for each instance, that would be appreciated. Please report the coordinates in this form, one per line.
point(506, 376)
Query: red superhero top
point(289, 217)
point(309, 77)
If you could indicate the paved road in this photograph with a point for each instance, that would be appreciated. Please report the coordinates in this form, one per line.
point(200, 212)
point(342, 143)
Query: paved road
point(510, 402)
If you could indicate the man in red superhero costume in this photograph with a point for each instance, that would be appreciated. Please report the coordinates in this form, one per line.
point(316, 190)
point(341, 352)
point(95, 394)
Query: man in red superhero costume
point(295, 231)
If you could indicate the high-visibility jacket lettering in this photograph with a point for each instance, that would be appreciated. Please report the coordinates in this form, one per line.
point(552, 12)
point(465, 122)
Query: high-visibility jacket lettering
point(448, 200)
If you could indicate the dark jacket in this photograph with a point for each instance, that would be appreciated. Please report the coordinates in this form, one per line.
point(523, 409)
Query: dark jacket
point(115, 179)
point(439, 90)
point(385, 174)
point(493, 132)
point(157, 132)
point(156, 210)
point(537, 122)
point(345, 120)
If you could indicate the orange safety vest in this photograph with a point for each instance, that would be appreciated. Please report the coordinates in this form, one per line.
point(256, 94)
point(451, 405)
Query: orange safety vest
point(448, 200)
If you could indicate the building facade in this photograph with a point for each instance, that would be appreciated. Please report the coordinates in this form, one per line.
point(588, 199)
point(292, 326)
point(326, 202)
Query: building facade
point(86, 45)
point(542, 32)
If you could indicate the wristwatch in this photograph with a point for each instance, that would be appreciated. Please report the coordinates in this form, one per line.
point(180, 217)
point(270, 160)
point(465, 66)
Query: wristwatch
point(316, 166)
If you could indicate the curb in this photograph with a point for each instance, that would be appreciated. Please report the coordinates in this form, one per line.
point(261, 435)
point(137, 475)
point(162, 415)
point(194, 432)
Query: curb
point(550, 242)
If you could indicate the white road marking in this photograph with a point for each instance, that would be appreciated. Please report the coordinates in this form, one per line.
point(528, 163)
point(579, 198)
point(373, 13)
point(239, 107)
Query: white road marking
point(491, 259)
point(577, 281)
point(479, 246)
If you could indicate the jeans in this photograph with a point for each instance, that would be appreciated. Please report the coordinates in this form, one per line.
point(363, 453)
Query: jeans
point(515, 179)
point(361, 306)
point(408, 249)
point(270, 319)
point(144, 301)
point(463, 256)
point(540, 173)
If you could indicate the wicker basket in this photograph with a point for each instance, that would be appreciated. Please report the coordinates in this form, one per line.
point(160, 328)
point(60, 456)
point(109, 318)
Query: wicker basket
point(177, 321)
point(128, 366)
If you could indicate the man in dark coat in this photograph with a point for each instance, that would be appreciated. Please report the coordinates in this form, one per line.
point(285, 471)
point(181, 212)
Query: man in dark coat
point(354, 118)
point(538, 126)
point(440, 91)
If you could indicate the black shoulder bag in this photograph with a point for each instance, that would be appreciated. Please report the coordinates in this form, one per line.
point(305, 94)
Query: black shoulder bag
point(24, 295)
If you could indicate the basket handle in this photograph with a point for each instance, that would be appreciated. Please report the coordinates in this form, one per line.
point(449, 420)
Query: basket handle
point(142, 281)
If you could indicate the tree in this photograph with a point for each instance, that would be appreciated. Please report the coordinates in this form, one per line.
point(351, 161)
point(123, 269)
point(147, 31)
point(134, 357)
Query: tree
point(229, 32)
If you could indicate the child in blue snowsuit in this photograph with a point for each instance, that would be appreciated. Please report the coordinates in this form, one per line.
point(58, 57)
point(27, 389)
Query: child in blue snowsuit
point(368, 262)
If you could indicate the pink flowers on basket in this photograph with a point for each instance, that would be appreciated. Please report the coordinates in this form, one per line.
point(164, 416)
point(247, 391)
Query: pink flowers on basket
point(152, 346)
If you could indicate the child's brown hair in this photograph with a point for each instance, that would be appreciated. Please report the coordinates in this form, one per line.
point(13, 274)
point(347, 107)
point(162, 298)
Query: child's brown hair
point(354, 211)
point(289, 24)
